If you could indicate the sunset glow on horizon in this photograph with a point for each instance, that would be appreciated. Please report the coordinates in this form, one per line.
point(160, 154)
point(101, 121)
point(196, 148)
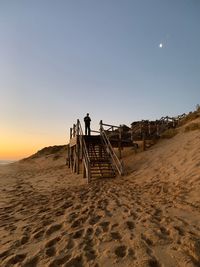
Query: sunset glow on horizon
point(61, 60)
point(22, 146)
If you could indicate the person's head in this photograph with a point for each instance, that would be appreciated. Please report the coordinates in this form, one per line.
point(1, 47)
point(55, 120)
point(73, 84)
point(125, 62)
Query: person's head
point(88, 114)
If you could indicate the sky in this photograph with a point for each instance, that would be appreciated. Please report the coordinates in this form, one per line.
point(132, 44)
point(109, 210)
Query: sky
point(119, 60)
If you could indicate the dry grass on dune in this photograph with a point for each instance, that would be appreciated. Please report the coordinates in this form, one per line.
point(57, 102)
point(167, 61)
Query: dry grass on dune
point(55, 151)
point(192, 127)
point(150, 217)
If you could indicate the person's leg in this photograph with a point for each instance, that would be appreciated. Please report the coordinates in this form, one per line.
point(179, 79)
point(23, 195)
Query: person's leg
point(88, 130)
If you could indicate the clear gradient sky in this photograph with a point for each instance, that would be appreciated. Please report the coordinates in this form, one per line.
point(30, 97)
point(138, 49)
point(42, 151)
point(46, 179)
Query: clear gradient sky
point(62, 59)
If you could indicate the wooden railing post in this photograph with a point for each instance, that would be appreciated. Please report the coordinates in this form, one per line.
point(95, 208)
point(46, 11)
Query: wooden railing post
point(77, 147)
point(77, 127)
point(132, 133)
point(115, 160)
point(144, 142)
point(158, 129)
point(70, 133)
point(120, 142)
point(141, 128)
point(149, 126)
point(101, 125)
point(74, 130)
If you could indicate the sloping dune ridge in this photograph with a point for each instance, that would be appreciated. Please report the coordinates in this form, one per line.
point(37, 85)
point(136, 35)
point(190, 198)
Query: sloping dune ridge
point(148, 218)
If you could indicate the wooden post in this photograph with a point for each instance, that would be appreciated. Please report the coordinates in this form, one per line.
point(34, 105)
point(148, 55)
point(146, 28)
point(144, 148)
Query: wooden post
point(143, 143)
point(70, 133)
point(68, 156)
point(120, 142)
point(132, 133)
point(73, 160)
point(141, 129)
point(149, 126)
point(77, 127)
point(77, 147)
point(69, 161)
point(74, 130)
point(77, 157)
point(70, 164)
point(157, 129)
point(88, 176)
point(84, 171)
point(101, 125)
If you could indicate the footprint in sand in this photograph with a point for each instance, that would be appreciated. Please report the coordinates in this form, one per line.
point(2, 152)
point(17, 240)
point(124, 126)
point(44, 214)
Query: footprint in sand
point(66, 205)
point(77, 234)
point(25, 238)
point(47, 222)
point(191, 244)
point(90, 254)
point(78, 222)
point(115, 236)
point(105, 226)
point(120, 251)
point(130, 225)
point(75, 262)
point(97, 231)
point(52, 242)
point(60, 260)
point(70, 244)
point(31, 262)
point(88, 249)
point(147, 240)
point(72, 216)
point(89, 232)
point(94, 219)
point(38, 234)
point(50, 252)
point(15, 259)
point(131, 253)
point(53, 228)
point(59, 213)
point(4, 254)
point(114, 225)
point(85, 211)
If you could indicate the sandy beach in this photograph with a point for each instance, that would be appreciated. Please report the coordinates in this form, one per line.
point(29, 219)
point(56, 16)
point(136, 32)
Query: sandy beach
point(148, 218)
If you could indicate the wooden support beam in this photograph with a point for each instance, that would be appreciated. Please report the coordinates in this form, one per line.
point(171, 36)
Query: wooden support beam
point(70, 133)
point(143, 145)
point(120, 143)
point(74, 160)
point(84, 171)
point(74, 130)
point(78, 158)
point(73, 141)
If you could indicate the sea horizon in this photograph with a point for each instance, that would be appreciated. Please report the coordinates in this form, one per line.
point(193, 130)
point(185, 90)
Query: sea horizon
point(4, 162)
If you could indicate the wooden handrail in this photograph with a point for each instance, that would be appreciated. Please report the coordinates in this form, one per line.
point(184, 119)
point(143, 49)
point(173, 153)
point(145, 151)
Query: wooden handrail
point(86, 159)
point(113, 126)
point(115, 160)
point(94, 131)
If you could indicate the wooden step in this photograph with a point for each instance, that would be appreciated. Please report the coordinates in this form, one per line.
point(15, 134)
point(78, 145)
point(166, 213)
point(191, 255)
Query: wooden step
point(100, 165)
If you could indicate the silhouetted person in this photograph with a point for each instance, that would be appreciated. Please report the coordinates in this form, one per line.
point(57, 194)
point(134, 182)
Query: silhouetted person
point(87, 121)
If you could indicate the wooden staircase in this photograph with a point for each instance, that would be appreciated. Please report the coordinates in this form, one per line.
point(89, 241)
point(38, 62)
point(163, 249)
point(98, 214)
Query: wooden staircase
point(92, 155)
point(100, 162)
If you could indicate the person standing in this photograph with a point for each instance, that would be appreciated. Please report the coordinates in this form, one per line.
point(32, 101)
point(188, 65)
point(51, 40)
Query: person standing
point(87, 121)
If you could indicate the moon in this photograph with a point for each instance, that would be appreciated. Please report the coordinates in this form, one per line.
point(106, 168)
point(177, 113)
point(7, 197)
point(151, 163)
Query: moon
point(161, 45)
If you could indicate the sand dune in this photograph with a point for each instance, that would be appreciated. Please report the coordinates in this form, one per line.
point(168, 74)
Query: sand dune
point(150, 217)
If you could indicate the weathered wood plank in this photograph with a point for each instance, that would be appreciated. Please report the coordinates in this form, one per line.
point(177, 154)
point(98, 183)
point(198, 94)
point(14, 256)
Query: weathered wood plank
point(73, 141)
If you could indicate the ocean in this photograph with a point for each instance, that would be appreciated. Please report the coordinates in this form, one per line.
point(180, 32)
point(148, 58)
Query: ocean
point(3, 162)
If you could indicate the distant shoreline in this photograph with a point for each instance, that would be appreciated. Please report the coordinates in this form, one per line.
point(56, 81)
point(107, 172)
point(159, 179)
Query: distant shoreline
point(4, 162)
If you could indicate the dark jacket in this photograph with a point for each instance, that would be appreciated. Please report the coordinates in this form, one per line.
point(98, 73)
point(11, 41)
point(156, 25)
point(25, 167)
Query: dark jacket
point(87, 120)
